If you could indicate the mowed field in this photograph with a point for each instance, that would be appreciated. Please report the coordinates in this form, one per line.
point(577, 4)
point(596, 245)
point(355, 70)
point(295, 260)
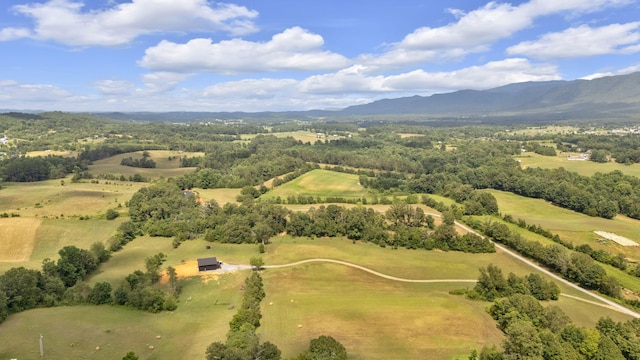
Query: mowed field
point(164, 167)
point(570, 225)
point(321, 183)
point(586, 167)
point(304, 136)
point(51, 198)
point(376, 318)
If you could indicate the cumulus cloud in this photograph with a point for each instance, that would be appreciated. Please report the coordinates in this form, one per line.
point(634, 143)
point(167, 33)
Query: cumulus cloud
point(474, 31)
point(252, 88)
point(8, 34)
point(13, 92)
point(582, 41)
point(293, 49)
point(115, 87)
point(162, 81)
point(64, 21)
point(490, 75)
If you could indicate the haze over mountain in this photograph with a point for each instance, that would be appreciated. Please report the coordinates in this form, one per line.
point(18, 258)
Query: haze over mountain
point(612, 96)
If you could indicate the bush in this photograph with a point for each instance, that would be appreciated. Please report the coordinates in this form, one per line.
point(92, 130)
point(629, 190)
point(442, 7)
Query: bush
point(111, 214)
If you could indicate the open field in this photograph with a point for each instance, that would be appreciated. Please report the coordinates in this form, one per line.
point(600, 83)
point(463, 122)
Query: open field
point(304, 136)
point(570, 225)
point(164, 167)
point(377, 318)
point(50, 198)
point(33, 240)
point(52, 152)
point(586, 167)
point(321, 183)
point(222, 196)
point(17, 238)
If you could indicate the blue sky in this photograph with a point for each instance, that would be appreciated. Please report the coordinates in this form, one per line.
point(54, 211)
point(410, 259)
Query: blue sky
point(274, 55)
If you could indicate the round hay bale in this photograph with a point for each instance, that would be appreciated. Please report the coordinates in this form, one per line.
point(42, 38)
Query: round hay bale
point(271, 303)
point(151, 347)
point(158, 336)
point(299, 326)
point(97, 348)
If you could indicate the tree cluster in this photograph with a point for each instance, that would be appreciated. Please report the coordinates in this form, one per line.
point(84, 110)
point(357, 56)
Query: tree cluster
point(492, 285)
point(242, 342)
point(27, 169)
point(59, 281)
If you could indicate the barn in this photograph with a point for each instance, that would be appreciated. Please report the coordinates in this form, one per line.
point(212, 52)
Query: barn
point(211, 263)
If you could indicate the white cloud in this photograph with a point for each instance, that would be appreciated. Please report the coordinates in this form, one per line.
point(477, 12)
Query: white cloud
point(12, 91)
point(293, 49)
point(8, 34)
point(115, 87)
point(64, 21)
point(162, 81)
point(490, 75)
point(582, 41)
point(252, 88)
point(624, 71)
point(474, 31)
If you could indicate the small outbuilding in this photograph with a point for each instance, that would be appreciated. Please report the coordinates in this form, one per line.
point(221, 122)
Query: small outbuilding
point(211, 263)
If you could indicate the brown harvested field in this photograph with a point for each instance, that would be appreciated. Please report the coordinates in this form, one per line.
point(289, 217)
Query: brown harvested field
point(17, 238)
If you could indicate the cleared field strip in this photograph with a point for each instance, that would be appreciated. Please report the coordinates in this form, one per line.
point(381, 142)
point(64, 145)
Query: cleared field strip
point(617, 238)
point(17, 238)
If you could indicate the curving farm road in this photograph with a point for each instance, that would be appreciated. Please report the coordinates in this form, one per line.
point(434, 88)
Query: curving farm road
point(369, 271)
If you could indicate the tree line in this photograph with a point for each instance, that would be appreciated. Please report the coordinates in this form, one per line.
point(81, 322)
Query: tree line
point(536, 332)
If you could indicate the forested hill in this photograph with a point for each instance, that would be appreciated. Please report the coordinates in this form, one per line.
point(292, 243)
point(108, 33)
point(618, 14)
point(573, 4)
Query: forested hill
point(613, 96)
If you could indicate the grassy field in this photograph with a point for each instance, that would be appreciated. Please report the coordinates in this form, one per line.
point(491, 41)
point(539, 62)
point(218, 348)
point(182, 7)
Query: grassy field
point(321, 183)
point(164, 167)
point(377, 318)
point(304, 136)
point(570, 225)
point(586, 168)
point(50, 198)
point(222, 196)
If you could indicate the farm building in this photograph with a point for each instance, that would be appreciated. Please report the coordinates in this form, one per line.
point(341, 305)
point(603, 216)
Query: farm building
point(211, 263)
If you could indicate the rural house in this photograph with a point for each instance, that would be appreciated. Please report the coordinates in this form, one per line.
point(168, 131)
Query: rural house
point(211, 263)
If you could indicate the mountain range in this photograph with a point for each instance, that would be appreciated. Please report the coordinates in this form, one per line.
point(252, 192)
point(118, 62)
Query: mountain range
point(611, 97)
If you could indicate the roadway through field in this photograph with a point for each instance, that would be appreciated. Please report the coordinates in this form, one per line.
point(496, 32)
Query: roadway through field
point(606, 302)
point(394, 278)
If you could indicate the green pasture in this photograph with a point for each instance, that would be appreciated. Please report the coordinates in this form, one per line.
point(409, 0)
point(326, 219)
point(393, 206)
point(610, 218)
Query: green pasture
point(321, 183)
point(582, 167)
point(38, 239)
point(165, 168)
point(109, 332)
point(376, 318)
point(570, 225)
point(62, 198)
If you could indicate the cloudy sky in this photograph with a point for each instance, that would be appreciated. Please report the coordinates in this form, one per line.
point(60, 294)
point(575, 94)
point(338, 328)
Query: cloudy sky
point(259, 55)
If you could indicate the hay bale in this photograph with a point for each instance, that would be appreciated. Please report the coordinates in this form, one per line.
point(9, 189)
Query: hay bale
point(158, 336)
point(151, 347)
point(97, 348)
